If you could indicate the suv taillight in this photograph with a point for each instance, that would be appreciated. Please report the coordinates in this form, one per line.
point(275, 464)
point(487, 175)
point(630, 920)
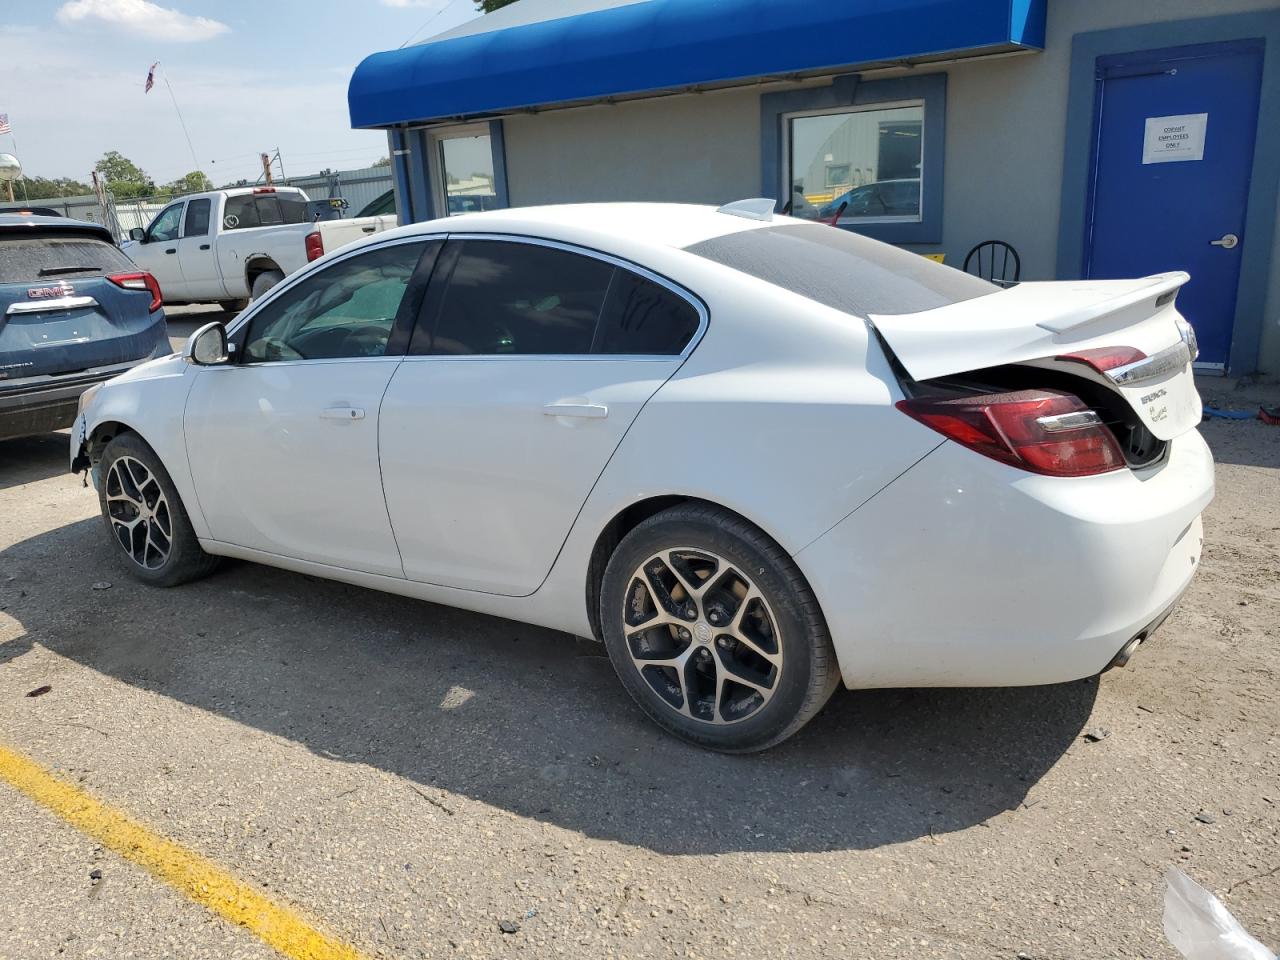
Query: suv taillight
point(1042, 431)
point(315, 246)
point(139, 281)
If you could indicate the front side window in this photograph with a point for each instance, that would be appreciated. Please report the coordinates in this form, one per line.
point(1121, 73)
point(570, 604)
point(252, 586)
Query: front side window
point(197, 224)
point(165, 226)
point(344, 310)
point(867, 161)
point(518, 298)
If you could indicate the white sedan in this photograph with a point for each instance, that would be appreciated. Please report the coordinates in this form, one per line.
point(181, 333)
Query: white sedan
point(755, 456)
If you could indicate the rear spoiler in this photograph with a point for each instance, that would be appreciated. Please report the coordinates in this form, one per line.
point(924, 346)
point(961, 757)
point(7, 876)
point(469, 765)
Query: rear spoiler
point(1025, 322)
point(1154, 286)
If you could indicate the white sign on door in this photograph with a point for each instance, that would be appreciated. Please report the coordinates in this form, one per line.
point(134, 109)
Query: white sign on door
point(1169, 139)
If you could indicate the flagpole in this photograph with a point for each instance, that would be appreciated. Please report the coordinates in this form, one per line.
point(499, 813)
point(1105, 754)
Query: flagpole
point(178, 111)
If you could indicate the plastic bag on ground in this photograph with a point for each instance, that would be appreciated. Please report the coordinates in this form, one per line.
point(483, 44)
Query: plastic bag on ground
point(1196, 922)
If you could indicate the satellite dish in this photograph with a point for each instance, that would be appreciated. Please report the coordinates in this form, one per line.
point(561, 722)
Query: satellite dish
point(10, 168)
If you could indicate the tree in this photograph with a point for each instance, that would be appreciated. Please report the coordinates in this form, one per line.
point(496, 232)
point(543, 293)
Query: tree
point(193, 182)
point(488, 6)
point(382, 162)
point(123, 177)
point(40, 188)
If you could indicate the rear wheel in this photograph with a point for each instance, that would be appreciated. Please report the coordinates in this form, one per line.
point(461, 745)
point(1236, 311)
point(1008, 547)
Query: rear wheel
point(233, 306)
point(264, 282)
point(713, 630)
point(145, 517)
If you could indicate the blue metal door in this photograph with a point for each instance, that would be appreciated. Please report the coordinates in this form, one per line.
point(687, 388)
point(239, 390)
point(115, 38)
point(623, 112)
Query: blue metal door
point(1173, 152)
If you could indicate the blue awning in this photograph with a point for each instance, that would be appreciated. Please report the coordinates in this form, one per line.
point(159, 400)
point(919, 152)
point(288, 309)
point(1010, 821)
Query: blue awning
point(653, 46)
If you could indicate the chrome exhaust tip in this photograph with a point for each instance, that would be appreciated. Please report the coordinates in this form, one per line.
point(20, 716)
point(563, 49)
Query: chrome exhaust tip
point(1127, 651)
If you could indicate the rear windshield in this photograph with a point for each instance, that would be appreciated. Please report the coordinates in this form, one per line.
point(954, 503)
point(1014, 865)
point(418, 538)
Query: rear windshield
point(843, 270)
point(28, 258)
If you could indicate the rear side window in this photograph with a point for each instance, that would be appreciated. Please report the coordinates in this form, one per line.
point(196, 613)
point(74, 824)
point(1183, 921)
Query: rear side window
point(197, 224)
point(25, 259)
point(843, 270)
point(240, 213)
point(641, 317)
point(518, 298)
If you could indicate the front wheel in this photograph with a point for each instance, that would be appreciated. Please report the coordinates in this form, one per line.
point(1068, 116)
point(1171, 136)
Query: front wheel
point(145, 517)
point(714, 631)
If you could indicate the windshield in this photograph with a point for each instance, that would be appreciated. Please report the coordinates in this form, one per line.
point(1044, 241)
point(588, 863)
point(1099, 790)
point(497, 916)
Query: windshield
point(843, 270)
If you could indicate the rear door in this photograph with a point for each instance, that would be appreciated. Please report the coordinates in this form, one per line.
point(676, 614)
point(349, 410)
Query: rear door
point(529, 363)
point(198, 260)
point(60, 312)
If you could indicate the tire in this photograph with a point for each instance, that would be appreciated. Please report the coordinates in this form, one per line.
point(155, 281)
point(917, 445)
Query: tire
point(779, 645)
point(130, 473)
point(264, 282)
point(233, 306)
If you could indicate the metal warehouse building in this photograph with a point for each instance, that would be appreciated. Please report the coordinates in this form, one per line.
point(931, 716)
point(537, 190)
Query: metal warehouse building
point(1099, 138)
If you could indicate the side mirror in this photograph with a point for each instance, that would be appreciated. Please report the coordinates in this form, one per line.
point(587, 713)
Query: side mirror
point(137, 233)
point(207, 347)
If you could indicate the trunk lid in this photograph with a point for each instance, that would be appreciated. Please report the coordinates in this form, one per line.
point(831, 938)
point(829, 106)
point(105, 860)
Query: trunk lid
point(1040, 324)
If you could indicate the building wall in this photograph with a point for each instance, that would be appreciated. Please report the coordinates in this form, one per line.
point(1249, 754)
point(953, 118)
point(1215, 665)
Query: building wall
point(1005, 142)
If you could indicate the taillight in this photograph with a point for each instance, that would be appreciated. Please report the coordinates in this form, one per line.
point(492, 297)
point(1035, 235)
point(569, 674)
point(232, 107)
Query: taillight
point(1103, 359)
point(1042, 431)
point(139, 281)
point(315, 246)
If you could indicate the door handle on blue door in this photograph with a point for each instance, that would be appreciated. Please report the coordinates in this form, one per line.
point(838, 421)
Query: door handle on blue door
point(589, 411)
point(342, 413)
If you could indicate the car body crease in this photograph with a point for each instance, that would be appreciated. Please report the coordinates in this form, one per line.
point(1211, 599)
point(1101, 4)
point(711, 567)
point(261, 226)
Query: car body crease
point(881, 490)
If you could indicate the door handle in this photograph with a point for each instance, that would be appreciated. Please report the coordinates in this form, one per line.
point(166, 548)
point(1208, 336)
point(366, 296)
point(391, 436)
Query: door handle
point(589, 411)
point(204, 246)
point(367, 229)
point(172, 250)
point(1227, 241)
point(342, 413)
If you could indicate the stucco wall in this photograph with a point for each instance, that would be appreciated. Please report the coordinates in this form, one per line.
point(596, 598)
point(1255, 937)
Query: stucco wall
point(1004, 144)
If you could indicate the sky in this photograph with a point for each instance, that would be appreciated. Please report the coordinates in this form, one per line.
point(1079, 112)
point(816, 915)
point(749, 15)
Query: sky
point(248, 76)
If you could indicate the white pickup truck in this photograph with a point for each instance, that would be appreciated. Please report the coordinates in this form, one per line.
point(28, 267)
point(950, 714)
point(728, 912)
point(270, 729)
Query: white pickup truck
point(230, 246)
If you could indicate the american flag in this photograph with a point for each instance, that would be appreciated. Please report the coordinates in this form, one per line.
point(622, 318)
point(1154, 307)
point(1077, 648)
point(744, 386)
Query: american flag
point(151, 78)
point(4, 123)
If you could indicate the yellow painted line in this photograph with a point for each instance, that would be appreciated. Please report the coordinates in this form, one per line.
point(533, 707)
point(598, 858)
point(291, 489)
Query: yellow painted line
point(191, 874)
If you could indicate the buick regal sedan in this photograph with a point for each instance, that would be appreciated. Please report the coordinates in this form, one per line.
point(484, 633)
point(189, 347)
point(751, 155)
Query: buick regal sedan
point(756, 457)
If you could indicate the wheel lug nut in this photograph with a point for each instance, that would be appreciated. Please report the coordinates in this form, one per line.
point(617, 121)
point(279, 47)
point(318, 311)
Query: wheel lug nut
point(723, 643)
point(684, 634)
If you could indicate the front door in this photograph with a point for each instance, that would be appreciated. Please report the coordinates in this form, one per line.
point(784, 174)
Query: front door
point(157, 253)
point(1173, 155)
point(283, 444)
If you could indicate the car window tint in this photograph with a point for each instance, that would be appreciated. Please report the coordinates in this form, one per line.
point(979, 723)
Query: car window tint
point(269, 212)
point(197, 224)
point(641, 317)
point(165, 226)
point(240, 213)
point(840, 269)
point(293, 208)
point(519, 298)
point(346, 309)
point(24, 259)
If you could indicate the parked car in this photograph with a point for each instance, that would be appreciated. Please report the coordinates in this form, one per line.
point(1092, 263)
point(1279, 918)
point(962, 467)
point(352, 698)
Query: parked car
point(755, 456)
point(25, 211)
point(229, 246)
point(884, 198)
point(74, 311)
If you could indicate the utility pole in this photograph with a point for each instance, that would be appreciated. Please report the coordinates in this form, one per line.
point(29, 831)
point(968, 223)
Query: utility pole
point(266, 168)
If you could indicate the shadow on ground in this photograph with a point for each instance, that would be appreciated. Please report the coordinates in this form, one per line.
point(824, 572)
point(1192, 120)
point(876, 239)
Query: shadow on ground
point(527, 719)
point(30, 459)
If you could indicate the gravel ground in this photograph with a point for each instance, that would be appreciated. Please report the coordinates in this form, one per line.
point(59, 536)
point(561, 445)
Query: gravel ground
point(411, 775)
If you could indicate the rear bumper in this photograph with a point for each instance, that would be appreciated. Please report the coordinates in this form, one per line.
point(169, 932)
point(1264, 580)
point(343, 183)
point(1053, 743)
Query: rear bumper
point(965, 572)
point(43, 404)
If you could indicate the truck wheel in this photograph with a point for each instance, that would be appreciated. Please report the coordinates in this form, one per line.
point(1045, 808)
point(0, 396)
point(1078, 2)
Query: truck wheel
point(233, 306)
point(264, 282)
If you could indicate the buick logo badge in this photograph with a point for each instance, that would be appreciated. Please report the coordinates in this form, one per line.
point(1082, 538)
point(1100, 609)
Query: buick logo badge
point(59, 289)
